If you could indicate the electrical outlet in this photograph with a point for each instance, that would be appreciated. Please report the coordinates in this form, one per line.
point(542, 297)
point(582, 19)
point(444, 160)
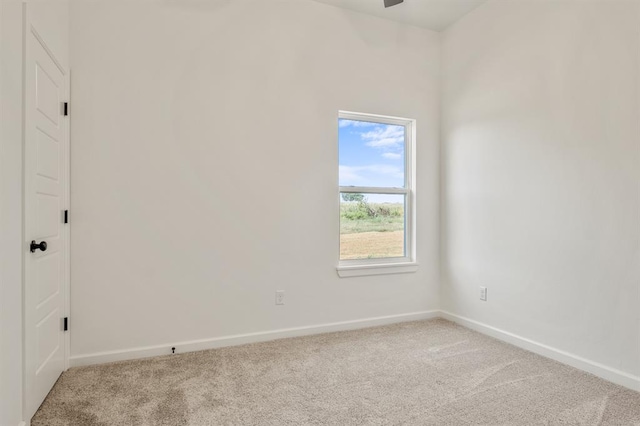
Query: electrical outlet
point(280, 297)
point(483, 293)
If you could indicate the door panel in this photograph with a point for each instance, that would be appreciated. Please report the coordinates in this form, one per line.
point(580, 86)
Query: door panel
point(48, 217)
point(48, 345)
point(48, 153)
point(46, 146)
point(48, 96)
point(47, 271)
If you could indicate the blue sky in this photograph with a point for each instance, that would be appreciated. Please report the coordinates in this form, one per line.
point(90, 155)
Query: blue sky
point(371, 154)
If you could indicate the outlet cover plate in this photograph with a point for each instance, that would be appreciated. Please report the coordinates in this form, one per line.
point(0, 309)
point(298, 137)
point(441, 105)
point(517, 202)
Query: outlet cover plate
point(483, 294)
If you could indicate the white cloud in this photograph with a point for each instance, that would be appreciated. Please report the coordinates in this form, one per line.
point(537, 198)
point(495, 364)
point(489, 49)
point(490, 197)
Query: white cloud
point(384, 137)
point(347, 123)
point(392, 155)
point(350, 174)
point(385, 169)
point(354, 174)
point(388, 137)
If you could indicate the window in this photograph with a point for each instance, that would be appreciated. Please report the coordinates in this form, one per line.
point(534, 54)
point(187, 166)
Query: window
point(376, 194)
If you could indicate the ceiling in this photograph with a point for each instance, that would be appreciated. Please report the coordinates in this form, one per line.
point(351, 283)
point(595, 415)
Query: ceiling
point(432, 14)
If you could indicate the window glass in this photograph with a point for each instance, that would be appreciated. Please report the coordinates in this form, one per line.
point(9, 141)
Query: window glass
point(374, 190)
point(371, 154)
point(372, 226)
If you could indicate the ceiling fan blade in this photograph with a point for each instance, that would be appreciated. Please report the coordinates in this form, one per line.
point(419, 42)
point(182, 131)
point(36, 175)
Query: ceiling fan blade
point(389, 3)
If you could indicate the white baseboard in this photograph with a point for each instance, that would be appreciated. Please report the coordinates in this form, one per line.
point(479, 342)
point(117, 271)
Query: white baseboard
point(611, 374)
point(241, 339)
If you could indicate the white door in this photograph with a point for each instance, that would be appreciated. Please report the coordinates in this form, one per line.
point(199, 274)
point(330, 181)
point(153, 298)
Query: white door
point(46, 155)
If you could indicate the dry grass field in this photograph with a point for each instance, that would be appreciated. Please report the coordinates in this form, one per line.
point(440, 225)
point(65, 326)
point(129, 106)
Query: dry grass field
point(364, 245)
point(371, 230)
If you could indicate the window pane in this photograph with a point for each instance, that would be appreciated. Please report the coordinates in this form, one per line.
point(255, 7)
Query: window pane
point(371, 154)
point(372, 226)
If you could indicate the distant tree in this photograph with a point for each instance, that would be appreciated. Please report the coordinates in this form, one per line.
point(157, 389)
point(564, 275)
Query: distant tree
point(349, 196)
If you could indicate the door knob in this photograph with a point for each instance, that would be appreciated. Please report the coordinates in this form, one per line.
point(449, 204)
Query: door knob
point(42, 246)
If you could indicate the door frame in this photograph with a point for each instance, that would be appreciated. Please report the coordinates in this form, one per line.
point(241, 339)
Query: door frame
point(31, 35)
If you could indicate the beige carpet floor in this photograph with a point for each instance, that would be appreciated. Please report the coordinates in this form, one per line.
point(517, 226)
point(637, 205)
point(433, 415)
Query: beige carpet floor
point(419, 373)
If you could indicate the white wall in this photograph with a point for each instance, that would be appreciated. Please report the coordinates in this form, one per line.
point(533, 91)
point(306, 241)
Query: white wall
point(204, 172)
point(541, 174)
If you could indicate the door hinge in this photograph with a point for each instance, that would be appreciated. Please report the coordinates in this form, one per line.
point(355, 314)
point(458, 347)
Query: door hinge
point(66, 324)
point(66, 109)
point(66, 216)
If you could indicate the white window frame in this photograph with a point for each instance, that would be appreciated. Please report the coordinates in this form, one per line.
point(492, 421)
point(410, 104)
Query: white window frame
point(388, 265)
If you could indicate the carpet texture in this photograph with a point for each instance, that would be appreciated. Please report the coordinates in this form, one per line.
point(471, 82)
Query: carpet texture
point(419, 373)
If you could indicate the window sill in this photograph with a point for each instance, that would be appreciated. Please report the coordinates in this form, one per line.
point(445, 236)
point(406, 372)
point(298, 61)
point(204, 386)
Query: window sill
point(378, 269)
